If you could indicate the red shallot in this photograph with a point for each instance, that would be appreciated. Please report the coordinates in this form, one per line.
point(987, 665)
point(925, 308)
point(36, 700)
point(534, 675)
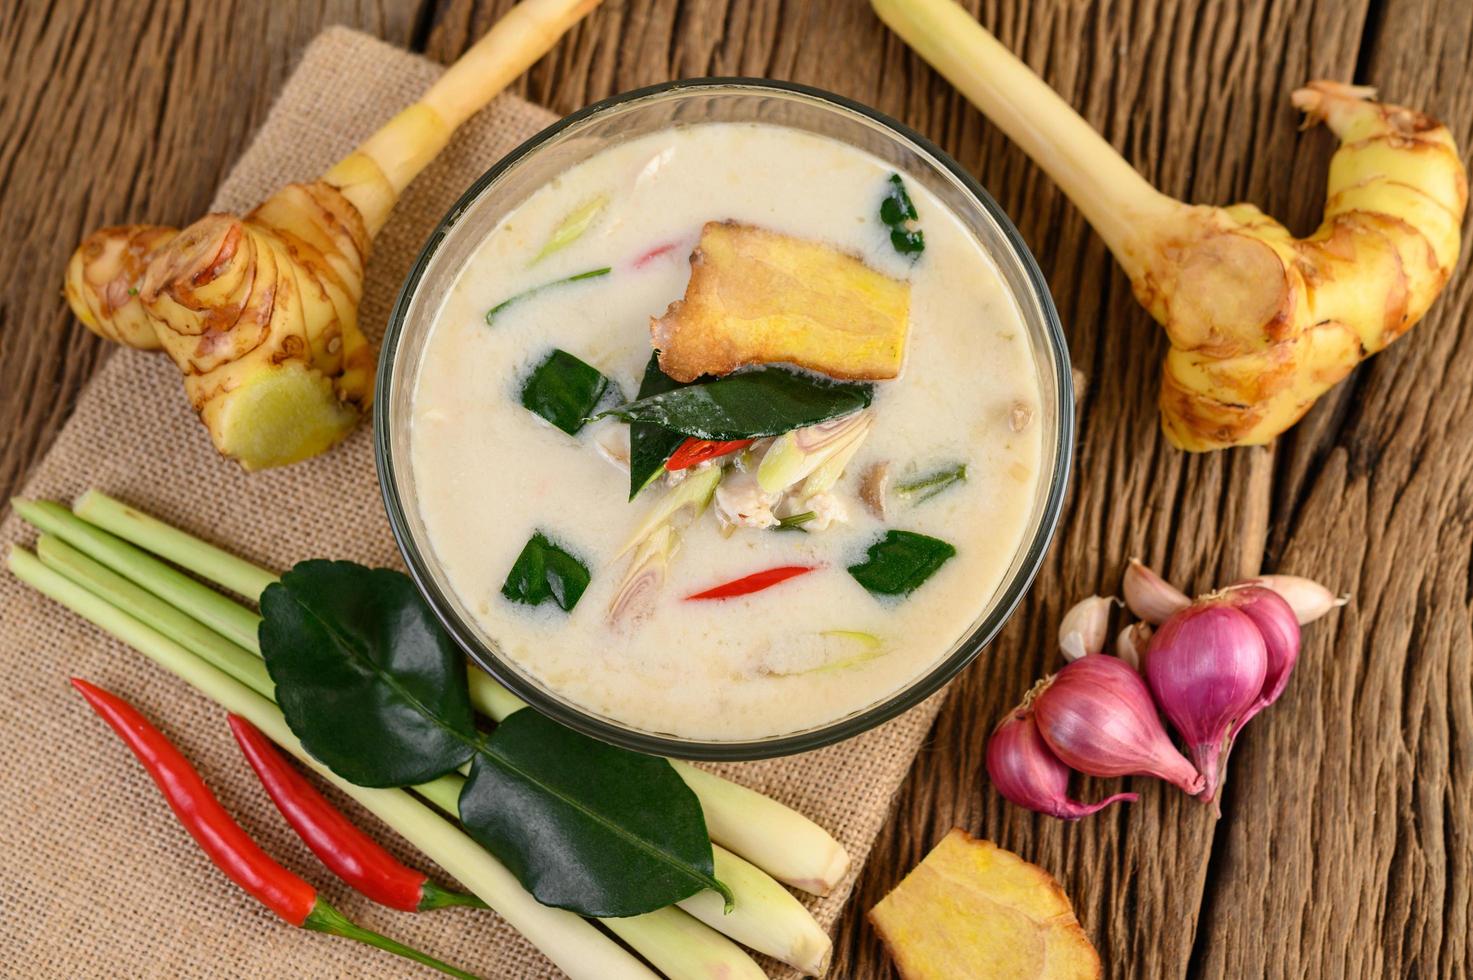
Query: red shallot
point(1097, 716)
point(1277, 623)
point(1027, 773)
point(1206, 666)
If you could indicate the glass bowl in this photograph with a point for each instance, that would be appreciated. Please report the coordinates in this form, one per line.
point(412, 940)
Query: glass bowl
point(572, 140)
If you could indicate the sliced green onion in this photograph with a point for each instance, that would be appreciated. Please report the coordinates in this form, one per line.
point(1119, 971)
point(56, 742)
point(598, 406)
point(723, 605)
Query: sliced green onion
point(529, 293)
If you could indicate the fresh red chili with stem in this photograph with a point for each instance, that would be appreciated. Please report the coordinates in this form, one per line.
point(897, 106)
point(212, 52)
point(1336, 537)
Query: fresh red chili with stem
point(347, 851)
point(694, 451)
point(755, 582)
point(225, 841)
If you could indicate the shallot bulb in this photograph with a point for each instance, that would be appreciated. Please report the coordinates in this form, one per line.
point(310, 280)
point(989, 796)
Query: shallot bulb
point(1279, 626)
point(1027, 773)
point(1097, 716)
point(1206, 666)
point(1309, 599)
point(1150, 596)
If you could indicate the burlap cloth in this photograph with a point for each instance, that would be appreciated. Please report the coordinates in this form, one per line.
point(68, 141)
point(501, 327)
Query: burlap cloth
point(96, 878)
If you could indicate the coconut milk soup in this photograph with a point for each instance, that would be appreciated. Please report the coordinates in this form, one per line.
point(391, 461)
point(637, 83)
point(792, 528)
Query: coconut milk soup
point(809, 539)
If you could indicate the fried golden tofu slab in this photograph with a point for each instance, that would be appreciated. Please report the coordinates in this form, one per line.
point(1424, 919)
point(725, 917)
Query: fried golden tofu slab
point(971, 910)
point(759, 297)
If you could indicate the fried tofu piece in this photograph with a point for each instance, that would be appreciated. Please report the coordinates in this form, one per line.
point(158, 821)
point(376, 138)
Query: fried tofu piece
point(759, 297)
point(972, 909)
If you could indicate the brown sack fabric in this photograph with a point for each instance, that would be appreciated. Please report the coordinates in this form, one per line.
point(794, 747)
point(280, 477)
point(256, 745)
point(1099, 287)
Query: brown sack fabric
point(97, 878)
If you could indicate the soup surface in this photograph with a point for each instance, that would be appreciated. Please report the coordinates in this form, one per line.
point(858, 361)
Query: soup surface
point(489, 473)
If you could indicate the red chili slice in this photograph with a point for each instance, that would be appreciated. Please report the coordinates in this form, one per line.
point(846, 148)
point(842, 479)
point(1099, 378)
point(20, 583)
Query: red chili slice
point(694, 451)
point(755, 582)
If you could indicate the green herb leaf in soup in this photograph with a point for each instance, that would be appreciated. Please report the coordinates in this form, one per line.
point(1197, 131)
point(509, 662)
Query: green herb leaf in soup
point(544, 571)
point(750, 405)
point(925, 487)
point(898, 213)
point(900, 562)
point(564, 391)
point(650, 445)
point(366, 677)
point(529, 293)
point(585, 826)
point(571, 228)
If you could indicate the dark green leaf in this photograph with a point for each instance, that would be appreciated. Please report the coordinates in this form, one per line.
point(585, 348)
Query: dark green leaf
point(564, 390)
point(900, 561)
point(899, 213)
point(544, 571)
point(925, 487)
point(585, 826)
point(650, 444)
point(366, 677)
point(528, 293)
point(897, 206)
point(750, 405)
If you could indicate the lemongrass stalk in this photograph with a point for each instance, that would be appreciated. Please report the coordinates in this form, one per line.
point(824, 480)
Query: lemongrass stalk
point(1115, 198)
point(574, 945)
point(245, 665)
point(681, 947)
point(765, 917)
point(773, 836)
point(171, 544)
point(759, 919)
point(227, 618)
point(155, 613)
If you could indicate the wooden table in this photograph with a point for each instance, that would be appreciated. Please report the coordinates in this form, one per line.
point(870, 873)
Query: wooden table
point(1346, 843)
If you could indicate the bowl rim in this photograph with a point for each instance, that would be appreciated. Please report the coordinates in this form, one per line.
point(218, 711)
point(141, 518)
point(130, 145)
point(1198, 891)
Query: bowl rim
point(919, 689)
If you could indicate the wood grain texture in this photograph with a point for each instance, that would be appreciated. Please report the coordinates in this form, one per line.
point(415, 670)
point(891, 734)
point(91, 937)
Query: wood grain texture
point(1346, 847)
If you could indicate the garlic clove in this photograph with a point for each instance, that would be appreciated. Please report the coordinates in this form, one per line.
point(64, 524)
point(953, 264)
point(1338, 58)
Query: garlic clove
point(1084, 627)
point(1150, 596)
point(1309, 599)
point(1130, 644)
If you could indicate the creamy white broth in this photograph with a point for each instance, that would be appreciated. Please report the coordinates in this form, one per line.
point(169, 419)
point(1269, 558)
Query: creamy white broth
point(487, 472)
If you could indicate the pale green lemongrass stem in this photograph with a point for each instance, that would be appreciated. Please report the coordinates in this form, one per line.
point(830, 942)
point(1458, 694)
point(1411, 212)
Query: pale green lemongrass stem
point(775, 837)
point(179, 547)
point(245, 665)
point(755, 921)
point(766, 916)
point(574, 945)
point(227, 618)
point(679, 946)
point(1122, 206)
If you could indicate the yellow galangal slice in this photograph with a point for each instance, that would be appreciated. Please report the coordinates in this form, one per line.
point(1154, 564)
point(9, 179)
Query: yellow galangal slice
point(759, 297)
point(974, 910)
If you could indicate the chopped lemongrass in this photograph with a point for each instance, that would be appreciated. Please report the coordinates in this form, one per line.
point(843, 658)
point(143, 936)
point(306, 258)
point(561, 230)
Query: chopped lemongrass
point(778, 839)
point(827, 474)
point(924, 488)
point(693, 492)
point(574, 945)
point(766, 917)
point(572, 227)
point(529, 293)
point(794, 455)
point(794, 522)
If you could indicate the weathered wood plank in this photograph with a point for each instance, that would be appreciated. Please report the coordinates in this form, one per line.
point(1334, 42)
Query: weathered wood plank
point(121, 112)
point(1348, 849)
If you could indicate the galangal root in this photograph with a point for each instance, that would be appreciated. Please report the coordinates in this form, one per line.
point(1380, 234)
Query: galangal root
point(260, 312)
point(1260, 323)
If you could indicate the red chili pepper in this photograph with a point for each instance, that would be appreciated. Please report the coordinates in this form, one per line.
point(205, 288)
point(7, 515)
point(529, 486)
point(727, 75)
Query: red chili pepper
point(694, 451)
point(226, 843)
point(347, 851)
point(755, 582)
point(653, 254)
